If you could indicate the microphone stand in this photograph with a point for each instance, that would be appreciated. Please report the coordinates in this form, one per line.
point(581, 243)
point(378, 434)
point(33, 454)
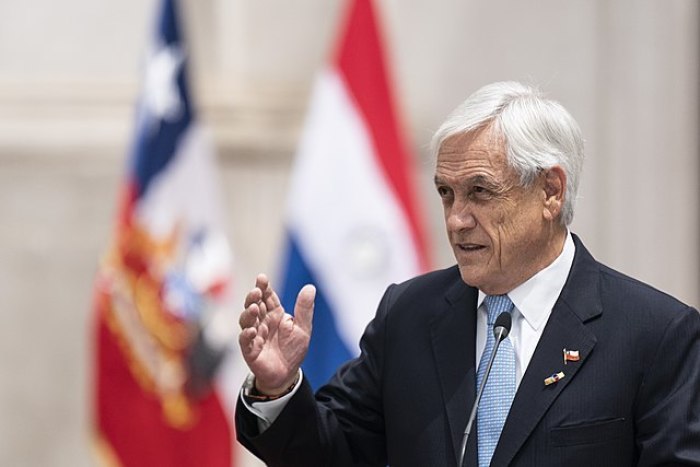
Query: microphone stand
point(501, 329)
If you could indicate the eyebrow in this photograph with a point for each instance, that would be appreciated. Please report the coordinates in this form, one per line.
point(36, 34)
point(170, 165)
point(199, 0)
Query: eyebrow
point(473, 180)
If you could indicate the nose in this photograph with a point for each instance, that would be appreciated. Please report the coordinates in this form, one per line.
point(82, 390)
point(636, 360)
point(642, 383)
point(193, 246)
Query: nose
point(460, 217)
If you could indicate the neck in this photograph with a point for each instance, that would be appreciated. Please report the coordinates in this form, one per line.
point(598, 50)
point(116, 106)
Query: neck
point(551, 249)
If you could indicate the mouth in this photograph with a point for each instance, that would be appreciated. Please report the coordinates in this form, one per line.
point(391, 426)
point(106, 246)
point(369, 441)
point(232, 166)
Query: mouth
point(469, 247)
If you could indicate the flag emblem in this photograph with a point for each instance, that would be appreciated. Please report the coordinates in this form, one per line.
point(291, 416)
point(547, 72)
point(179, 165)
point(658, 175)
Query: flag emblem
point(571, 356)
point(554, 378)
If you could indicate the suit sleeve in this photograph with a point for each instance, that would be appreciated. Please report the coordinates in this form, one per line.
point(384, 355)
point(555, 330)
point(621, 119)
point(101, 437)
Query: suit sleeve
point(668, 410)
point(342, 425)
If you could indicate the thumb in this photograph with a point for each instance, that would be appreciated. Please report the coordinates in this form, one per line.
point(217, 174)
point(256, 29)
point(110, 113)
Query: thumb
point(304, 307)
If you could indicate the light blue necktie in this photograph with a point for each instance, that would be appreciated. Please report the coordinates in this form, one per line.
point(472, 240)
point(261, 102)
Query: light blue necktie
point(500, 386)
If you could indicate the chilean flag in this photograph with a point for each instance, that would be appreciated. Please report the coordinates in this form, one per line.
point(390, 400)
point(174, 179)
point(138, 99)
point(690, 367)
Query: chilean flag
point(162, 291)
point(352, 222)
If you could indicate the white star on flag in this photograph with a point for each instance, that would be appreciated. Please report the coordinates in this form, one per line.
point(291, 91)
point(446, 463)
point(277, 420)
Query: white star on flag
point(161, 98)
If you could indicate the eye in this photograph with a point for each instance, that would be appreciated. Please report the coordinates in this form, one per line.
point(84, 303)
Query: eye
point(480, 192)
point(444, 192)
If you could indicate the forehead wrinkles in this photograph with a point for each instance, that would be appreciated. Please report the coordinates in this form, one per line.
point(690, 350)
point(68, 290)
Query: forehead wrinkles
point(480, 167)
point(486, 139)
point(467, 171)
point(482, 148)
point(473, 158)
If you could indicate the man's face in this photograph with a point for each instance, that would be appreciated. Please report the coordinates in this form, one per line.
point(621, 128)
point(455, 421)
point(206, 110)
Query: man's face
point(501, 233)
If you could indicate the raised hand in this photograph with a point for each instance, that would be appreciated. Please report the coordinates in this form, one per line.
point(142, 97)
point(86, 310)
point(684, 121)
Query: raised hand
point(273, 342)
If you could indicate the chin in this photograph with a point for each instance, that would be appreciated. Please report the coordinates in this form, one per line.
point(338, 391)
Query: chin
point(469, 279)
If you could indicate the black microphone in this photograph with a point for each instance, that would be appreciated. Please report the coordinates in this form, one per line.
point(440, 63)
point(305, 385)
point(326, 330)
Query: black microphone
point(501, 328)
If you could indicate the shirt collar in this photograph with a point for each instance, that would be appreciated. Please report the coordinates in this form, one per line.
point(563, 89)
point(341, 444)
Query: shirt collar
point(535, 298)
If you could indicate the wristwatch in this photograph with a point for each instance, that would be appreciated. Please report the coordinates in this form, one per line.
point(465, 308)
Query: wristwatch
point(251, 393)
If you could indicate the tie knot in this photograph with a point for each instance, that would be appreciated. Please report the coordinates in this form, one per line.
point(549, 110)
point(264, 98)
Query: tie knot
point(495, 305)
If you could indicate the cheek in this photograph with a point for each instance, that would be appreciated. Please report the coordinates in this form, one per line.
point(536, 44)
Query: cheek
point(504, 225)
point(510, 231)
point(523, 232)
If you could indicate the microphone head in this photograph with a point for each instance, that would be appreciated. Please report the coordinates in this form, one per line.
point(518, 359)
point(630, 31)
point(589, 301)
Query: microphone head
point(501, 327)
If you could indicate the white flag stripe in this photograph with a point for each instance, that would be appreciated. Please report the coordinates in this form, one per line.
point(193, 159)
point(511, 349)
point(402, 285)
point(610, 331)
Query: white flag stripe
point(186, 190)
point(348, 222)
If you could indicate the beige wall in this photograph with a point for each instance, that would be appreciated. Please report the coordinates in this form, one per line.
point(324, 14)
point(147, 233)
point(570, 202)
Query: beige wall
point(627, 70)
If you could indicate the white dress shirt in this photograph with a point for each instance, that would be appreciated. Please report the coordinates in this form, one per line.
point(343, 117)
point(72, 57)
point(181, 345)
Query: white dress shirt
point(268, 411)
point(533, 302)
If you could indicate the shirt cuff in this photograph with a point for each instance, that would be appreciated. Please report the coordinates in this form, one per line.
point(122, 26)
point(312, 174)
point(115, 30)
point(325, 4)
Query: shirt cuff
point(267, 411)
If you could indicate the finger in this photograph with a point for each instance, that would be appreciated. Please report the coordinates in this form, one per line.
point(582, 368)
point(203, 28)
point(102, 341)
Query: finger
point(304, 307)
point(261, 281)
point(249, 316)
point(246, 341)
point(263, 331)
point(272, 300)
point(268, 293)
point(254, 296)
point(286, 325)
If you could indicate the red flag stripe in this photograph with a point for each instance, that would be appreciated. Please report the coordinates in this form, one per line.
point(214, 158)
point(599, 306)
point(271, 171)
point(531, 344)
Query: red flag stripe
point(360, 60)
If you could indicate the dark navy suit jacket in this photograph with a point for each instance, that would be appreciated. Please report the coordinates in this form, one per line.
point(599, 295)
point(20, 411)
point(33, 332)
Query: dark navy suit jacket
point(633, 398)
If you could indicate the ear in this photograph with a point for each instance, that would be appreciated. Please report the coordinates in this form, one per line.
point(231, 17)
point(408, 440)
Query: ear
point(554, 189)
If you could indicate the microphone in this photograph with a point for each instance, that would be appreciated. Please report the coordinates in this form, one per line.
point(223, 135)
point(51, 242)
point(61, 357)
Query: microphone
point(501, 328)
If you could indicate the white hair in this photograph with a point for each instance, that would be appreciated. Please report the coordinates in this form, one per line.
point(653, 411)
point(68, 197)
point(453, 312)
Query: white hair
point(539, 133)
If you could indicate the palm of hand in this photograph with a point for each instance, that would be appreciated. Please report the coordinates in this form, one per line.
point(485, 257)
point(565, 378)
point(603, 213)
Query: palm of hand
point(276, 356)
point(273, 342)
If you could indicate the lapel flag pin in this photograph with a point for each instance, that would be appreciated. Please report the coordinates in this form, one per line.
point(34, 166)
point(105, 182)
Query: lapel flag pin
point(554, 378)
point(571, 356)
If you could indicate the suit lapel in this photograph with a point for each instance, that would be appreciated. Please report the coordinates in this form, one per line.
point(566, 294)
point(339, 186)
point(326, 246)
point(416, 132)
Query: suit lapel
point(453, 332)
point(565, 329)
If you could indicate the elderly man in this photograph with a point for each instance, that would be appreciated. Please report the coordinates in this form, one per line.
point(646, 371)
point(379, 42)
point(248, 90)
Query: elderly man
point(598, 368)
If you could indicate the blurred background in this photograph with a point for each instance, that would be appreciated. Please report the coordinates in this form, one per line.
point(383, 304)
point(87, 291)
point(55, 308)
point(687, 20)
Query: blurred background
point(70, 73)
